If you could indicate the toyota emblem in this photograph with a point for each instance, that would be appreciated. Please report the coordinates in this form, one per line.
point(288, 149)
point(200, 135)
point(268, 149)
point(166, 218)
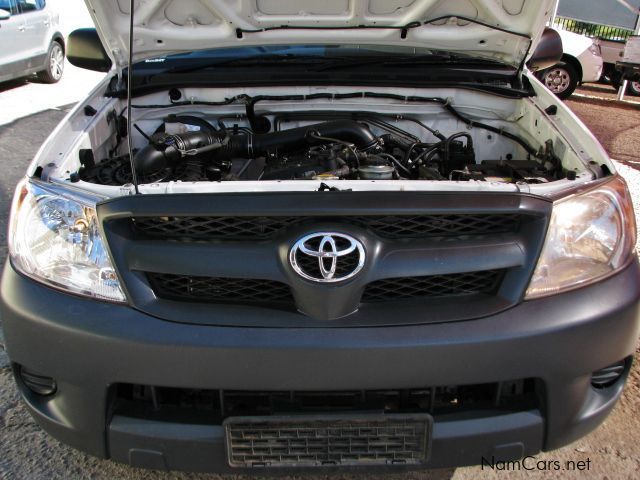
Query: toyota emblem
point(327, 257)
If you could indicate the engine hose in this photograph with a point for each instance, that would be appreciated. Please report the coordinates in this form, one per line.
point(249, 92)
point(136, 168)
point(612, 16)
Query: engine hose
point(428, 154)
point(490, 128)
point(407, 155)
point(447, 146)
point(397, 163)
point(394, 141)
point(168, 150)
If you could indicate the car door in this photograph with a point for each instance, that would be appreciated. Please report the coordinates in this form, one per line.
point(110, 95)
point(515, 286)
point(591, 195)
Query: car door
point(36, 29)
point(13, 50)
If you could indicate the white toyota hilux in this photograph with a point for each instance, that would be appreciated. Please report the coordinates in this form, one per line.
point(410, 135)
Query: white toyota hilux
point(297, 236)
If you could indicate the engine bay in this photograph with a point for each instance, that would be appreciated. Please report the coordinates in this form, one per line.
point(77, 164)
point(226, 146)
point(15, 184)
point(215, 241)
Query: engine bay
point(332, 150)
point(318, 145)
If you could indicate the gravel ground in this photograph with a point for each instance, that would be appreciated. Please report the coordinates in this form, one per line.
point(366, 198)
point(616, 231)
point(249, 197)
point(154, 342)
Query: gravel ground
point(618, 133)
point(601, 90)
point(26, 452)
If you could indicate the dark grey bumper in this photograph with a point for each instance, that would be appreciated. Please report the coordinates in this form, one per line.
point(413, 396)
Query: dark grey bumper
point(87, 346)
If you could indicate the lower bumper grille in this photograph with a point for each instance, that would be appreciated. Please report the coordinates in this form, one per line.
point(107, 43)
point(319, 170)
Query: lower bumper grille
point(214, 406)
point(337, 440)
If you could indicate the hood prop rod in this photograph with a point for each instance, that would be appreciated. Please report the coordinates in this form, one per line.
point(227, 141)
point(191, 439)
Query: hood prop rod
point(134, 175)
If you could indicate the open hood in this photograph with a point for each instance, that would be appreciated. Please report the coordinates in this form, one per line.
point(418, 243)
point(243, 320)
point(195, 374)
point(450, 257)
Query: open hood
point(503, 30)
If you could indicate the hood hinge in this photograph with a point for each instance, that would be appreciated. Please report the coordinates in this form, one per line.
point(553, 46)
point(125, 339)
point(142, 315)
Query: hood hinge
point(119, 63)
point(520, 78)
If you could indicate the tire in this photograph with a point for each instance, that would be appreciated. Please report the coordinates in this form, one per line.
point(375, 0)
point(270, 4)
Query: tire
point(561, 79)
point(55, 64)
point(616, 80)
point(633, 88)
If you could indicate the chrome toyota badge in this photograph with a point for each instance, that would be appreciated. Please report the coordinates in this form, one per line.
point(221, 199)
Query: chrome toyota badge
point(327, 257)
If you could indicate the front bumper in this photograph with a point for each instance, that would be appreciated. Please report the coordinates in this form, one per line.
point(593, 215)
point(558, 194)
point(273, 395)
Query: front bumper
point(88, 346)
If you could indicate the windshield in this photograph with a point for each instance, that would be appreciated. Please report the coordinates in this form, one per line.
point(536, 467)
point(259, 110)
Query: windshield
point(9, 6)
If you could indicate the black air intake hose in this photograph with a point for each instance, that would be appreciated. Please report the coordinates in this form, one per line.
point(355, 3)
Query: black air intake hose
point(395, 141)
point(168, 150)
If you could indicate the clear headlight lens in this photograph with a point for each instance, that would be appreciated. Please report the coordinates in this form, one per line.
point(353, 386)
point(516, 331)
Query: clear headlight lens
point(596, 49)
point(55, 240)
point(590, 236)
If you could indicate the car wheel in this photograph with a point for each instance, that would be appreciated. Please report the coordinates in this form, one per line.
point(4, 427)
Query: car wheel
point(55, 64)
point(633, 88)
point(562, 79)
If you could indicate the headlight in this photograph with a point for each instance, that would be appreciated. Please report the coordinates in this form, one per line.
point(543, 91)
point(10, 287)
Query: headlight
point(595, 49)
point(55, 239)
point(590, 236)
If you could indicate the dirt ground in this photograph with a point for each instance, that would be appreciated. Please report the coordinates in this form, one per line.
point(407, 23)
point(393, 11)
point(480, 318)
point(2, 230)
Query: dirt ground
point(618, 132)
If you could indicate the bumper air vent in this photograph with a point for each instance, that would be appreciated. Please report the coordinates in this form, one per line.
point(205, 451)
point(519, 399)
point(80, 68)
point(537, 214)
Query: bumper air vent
point(608, 376)
point(38, 383)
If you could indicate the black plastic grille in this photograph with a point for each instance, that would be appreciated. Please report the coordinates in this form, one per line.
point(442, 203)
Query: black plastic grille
point(220, 290)
point(241, 290)
point(189, 288)
point(423, 226)
point(213, 228)
point(192, 228)
point(473, 283)
point(308, 442)
point(182, 404)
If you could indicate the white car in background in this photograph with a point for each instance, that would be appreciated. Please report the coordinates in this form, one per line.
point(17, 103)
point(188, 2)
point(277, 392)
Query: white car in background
point(581, 63)
point(30, 41)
